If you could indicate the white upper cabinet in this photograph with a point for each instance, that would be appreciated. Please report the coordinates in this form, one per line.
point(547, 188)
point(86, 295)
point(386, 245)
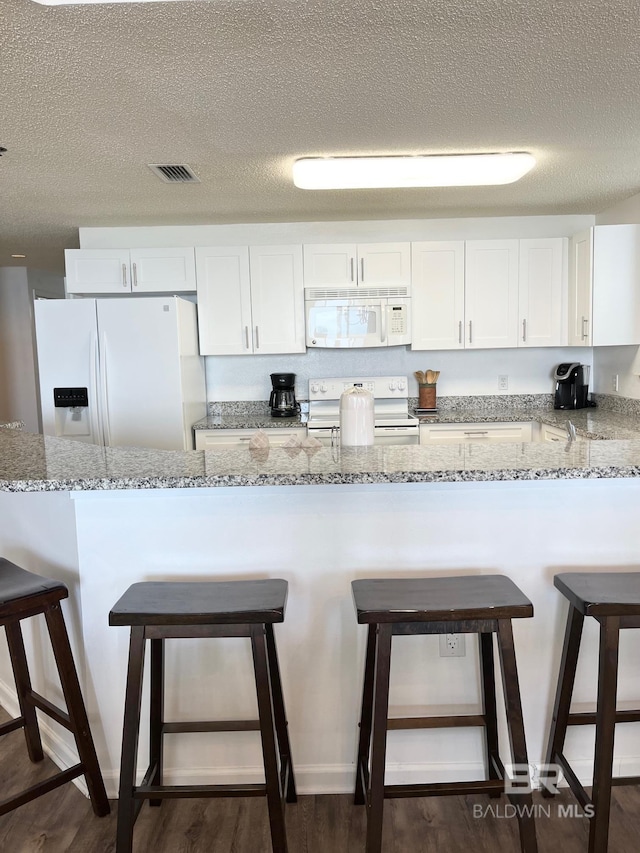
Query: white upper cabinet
point(616, 285)
point(540, 292)
point(162, 270)
point(130, 270)
point(277, 299)
point(580, 288)
point(97, 271)
point(224, 300)
point(250, 300)
point(437, 294)
point(491, 293)
point(348, 265)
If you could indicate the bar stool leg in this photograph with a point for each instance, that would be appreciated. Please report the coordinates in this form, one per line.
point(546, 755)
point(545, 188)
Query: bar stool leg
point(282, 729)
point(515, 725)
point(268, 735)
point(605, 733)
point(379, 739)
point(564, 691)
point(20, 668)
point(489, 705)
point(156, 751)
point(127, 806)
point(366, 714)
point(76, 709)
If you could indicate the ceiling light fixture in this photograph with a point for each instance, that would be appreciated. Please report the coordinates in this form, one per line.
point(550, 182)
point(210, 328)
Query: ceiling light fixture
point(18, 256)
point(439, 170)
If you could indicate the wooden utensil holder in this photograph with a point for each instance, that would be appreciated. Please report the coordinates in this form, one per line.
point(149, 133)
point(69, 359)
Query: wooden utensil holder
point(426, 396)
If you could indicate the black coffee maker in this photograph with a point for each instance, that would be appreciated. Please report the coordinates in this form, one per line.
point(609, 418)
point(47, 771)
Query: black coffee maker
point(572, 386)
point(283, 399)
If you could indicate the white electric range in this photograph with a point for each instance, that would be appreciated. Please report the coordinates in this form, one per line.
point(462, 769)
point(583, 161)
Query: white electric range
point(393, 423)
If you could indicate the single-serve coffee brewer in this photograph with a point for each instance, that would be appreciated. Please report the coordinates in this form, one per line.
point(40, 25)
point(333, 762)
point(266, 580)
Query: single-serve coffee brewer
point(283, 399)
point(572, 386)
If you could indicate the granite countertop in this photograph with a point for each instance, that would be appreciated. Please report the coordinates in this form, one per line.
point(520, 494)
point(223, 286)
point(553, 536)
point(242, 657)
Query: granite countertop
point(11, 425)
point(37, 463)
point(258, 420)
point(593, 423)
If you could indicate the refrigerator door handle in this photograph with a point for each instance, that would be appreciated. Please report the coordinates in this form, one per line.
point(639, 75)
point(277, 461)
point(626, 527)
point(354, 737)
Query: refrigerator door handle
point(104, 393)
point(94, 409)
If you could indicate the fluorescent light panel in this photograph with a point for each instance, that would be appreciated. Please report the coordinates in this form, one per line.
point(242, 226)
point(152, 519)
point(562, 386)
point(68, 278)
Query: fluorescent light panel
point(440, 170)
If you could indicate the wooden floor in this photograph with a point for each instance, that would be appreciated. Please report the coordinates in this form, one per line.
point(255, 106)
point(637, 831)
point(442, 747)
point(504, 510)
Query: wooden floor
point(63, 821)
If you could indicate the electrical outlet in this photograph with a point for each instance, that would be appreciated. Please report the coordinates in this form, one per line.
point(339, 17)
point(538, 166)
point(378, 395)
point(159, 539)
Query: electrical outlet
point(452, 646)
point(503, 383)
point(614, 382)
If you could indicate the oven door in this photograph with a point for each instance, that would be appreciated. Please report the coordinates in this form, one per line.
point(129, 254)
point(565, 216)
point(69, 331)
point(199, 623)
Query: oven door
point(396, 435)
point(381, 435)
point(346, 323)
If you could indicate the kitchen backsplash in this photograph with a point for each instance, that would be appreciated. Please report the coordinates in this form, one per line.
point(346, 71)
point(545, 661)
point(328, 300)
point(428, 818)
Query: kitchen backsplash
point(462, 372)
point(488, 403)
point(615, 403)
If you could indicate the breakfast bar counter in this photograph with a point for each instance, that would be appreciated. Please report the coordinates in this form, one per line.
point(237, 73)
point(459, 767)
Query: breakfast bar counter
point(101, 519)
point(40, 463)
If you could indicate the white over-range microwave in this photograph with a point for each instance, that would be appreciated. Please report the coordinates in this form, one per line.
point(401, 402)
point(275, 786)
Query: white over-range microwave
point(357, 317)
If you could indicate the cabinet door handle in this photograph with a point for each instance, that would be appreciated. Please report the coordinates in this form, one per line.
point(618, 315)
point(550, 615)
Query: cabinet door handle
point(135, 275)
point(361, 269)
point(257, 339)
point(470, 333)
point(524, 330)
point(246, 337)
point(124, 275)
point(585, 328)
point(352, 269)
point(460, 331)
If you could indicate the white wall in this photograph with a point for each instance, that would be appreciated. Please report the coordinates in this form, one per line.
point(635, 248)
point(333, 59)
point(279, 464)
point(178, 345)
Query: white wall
point(18, 371)
point(621, 361)
point(341, 232)
point(626, 212)
point(462, 372)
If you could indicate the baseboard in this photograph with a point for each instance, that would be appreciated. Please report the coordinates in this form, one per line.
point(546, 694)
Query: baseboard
point(310, 778)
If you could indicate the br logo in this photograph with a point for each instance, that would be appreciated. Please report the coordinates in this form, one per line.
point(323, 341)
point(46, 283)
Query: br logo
point(520, 780)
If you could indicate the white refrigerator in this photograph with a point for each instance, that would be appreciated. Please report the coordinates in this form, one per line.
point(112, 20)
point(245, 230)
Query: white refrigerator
point(120, 372)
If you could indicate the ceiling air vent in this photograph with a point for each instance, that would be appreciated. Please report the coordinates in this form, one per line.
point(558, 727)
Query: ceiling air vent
point(174, 174)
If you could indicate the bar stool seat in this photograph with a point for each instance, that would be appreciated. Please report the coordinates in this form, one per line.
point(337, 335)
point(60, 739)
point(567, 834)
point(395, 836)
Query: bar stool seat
point(613, 599)
point(158, 610)
point(481, 604)
point(24, 594)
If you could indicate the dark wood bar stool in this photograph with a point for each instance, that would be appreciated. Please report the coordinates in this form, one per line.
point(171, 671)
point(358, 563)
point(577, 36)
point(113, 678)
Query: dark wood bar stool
point(479, 604)
point(613, 599)
point(24, 594)
point(160, 610)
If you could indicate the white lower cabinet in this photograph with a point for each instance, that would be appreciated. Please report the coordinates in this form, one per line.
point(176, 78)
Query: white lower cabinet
point(232, 439)
point(475, 433)
point(553, 433)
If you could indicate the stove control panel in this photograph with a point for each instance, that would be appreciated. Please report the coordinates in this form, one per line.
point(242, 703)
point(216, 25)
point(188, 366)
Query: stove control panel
point(394, 387)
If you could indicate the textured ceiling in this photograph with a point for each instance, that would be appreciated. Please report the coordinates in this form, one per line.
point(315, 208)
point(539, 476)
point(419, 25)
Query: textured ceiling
point(89, 95)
